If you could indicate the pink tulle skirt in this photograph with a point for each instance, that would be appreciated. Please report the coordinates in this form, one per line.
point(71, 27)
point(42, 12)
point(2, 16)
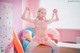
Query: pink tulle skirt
point(41, 39)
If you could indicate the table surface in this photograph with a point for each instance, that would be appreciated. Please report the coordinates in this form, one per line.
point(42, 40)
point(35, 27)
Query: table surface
point(69, 45)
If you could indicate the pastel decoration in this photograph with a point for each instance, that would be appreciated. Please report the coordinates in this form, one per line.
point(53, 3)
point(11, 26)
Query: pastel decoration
point(25, 43)
point(32, 30)
point(24, 33)
point(27, 35)
point(17, 43)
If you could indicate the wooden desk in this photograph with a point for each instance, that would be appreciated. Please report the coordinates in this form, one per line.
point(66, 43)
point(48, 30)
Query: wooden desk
point(42, 49)
point(68, 50)
point(63, 48)
point(69, 47)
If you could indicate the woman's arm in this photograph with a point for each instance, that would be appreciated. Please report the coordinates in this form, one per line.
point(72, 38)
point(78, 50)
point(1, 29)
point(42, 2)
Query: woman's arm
point(26, 15)
point(52, 19)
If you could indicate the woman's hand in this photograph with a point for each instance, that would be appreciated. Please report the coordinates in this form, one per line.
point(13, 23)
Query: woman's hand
point(27, 12)
point(27, 9)
point(55, 11)
point(55, 14)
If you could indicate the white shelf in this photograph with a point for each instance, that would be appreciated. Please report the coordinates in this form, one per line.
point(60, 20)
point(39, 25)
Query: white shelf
point(69, 45)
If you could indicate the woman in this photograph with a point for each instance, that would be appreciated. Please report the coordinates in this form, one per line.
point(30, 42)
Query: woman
point(41, 23)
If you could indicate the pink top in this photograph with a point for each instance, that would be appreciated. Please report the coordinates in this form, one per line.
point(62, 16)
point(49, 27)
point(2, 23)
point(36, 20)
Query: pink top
point(40, 27)
point(40, 31)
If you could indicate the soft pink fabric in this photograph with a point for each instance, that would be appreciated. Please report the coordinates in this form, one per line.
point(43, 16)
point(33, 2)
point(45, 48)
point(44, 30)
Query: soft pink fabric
point(41, 31)
point(40, 39)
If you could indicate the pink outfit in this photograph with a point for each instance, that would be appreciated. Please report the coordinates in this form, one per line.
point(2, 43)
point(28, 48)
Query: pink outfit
point(41, 36)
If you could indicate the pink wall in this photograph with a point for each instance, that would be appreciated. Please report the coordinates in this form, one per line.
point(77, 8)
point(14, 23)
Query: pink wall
point(17, 13)
point(8, 1)
point(69, 35)
point(33, 5)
